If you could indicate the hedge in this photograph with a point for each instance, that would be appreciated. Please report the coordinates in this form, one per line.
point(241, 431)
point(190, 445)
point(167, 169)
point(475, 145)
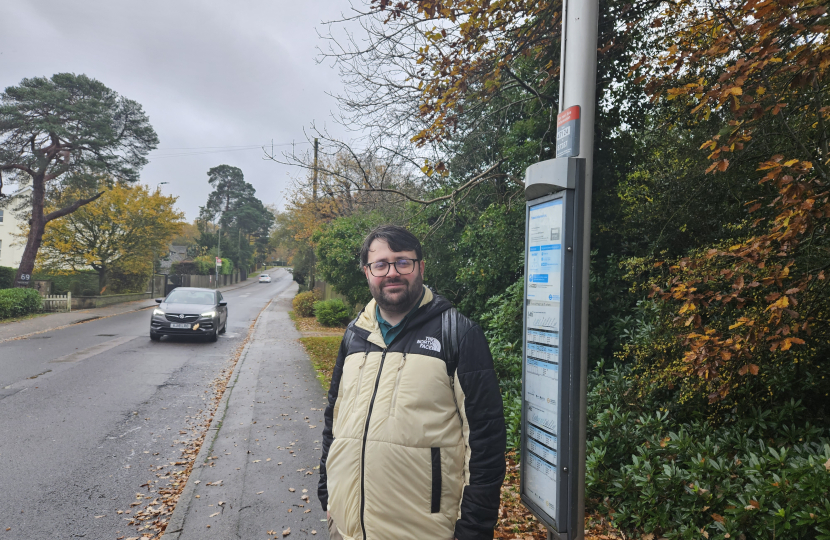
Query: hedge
point(203, 265)
point(7, 277)
point(18, 302)
point(334, 312)
point(304, 303)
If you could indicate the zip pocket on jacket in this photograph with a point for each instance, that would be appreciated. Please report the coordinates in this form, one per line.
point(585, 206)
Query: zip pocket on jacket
point(436, 481)
point(397, 385)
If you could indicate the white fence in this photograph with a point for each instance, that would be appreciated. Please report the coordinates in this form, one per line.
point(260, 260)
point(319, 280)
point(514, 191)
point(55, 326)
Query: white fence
point(57, 302)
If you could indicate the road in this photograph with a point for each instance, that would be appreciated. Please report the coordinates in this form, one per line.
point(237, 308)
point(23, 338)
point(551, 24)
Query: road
point(87, 411)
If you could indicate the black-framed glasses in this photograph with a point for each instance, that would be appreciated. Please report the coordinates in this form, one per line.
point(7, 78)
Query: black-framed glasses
point(402, 266)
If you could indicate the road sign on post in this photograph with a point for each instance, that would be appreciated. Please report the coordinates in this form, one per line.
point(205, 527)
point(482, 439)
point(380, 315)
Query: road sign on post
point(551, 359)
point(567, 132)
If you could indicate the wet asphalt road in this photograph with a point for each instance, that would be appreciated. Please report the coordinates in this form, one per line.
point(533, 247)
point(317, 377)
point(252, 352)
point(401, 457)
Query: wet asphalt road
point(86, 411)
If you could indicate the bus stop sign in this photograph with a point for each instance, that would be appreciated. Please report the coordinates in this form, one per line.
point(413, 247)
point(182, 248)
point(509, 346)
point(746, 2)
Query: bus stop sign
point(551, 408)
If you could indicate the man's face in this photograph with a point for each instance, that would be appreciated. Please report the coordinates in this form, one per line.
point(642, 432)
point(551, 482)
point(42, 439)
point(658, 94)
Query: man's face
point(394, 293)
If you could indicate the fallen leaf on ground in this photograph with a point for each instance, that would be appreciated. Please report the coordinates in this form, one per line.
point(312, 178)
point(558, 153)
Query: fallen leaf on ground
point(286, 532)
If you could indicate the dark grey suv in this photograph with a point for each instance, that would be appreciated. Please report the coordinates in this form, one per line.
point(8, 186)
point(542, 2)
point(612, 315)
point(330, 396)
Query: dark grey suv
point(190, 311)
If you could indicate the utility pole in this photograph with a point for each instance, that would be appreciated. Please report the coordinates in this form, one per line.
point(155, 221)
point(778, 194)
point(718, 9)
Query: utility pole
point(313, 280)
point(219, 250)
point(578, 86)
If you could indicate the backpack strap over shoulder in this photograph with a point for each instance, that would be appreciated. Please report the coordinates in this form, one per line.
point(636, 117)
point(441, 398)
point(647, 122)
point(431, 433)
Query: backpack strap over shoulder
point(449, 339)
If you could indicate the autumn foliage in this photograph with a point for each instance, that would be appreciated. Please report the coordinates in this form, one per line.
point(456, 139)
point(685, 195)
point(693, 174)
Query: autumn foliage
point(760, 68)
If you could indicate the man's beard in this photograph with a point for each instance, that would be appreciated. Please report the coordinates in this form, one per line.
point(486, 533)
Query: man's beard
point(401, 302)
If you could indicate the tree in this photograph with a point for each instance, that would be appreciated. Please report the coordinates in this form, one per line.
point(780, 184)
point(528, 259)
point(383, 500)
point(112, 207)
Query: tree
point(67, 128)
point(120, 231)
point(749, 313)
point(229, 185)
point(240, 213)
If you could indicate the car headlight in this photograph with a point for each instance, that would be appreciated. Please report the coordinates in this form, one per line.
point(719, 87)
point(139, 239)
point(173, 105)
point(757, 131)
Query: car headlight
point(158, 312)
point(209, 314)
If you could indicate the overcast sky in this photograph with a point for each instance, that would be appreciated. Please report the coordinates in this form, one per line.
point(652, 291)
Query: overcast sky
point(210, 74)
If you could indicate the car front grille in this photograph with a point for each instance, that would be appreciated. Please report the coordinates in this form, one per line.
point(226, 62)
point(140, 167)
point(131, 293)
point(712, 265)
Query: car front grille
point(176, 317)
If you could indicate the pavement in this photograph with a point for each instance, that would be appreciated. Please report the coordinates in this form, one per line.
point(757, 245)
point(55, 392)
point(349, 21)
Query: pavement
point(55, 321)
point(98, 423)
point(256, 474)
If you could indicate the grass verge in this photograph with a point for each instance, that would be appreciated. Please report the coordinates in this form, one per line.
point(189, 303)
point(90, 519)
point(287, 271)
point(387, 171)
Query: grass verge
point(310, 324)
point(323, 353)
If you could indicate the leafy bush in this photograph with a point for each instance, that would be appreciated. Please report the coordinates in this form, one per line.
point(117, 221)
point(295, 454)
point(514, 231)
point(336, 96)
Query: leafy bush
point(121, 282)
point(513, 418)
point(338, 254)
point(304, 303)
point(18, 302)
point(760, 476)
point(334, 312)
point(7, 277)
point(83, 283)
point(502, 325)
point(203, 265)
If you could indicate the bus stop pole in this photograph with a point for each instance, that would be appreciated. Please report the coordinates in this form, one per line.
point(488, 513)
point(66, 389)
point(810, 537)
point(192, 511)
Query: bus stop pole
point(577, 86)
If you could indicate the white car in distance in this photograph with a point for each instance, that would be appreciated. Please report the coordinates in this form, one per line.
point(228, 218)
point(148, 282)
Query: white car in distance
point(264, 278)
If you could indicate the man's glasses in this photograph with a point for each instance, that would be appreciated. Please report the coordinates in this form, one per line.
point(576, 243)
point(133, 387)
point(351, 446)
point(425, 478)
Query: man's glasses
point(402, 266)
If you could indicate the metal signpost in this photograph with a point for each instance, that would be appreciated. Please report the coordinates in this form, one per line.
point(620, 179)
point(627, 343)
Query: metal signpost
point(557, 258)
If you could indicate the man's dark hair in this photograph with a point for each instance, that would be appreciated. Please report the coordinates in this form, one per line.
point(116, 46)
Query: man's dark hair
point(398, 238)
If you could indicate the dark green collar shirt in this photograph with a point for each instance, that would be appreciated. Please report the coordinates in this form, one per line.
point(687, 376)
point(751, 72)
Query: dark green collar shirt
point(388, 331)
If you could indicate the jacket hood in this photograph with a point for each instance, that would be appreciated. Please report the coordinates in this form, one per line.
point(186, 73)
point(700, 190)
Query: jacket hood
point(366, 323)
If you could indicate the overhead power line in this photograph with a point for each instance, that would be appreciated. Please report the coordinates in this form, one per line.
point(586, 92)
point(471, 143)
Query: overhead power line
point(202, 150)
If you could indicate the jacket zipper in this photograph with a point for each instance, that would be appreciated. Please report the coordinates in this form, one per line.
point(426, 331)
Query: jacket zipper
point(397, 384)
point(363, 448)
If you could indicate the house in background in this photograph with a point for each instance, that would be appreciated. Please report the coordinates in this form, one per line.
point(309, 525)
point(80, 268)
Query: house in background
point(11, 246)
point(176, 254)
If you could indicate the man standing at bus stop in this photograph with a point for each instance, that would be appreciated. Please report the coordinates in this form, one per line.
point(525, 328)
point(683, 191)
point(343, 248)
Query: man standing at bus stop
point(414, 437)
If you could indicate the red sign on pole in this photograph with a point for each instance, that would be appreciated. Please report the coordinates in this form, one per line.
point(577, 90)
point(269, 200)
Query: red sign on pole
point(567, 132)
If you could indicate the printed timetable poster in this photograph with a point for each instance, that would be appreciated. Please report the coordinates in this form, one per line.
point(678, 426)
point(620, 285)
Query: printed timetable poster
point(541, 388)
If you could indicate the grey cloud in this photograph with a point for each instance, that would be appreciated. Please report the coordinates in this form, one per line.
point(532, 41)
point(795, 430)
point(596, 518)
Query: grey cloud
point(207, 73)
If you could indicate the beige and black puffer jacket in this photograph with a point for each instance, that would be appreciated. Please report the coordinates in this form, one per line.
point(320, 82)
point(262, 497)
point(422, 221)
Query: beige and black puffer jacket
point(413, 445)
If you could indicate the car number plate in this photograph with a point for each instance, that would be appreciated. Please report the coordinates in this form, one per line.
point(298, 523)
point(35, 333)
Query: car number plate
point(179, 325)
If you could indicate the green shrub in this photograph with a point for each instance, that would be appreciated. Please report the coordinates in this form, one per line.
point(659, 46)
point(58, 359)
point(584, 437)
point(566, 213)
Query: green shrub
point(18, 302)
point(7, 277)
point(334, 312)
point(304, 303)
point(759, 476)
point(502, 324)
point(76, 282)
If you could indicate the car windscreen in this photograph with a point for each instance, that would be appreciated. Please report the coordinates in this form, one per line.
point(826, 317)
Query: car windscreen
point(190, 297)
point(264, 275)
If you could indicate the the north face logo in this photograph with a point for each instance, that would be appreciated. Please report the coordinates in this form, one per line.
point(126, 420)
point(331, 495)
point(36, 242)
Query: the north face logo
point(430, 344)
